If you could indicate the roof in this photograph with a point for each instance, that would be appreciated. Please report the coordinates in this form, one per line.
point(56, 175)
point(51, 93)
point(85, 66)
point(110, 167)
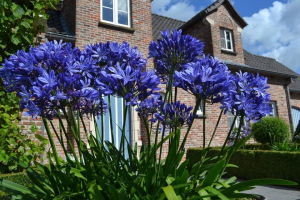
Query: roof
point(266, 64)
point(161, 23)
point(295, 85)
point(211, 8)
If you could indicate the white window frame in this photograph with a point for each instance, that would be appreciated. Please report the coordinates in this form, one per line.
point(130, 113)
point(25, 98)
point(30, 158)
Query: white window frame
point(237, 121)
point(226, 40)
point(199, 112)
point(115, 13)
point(273, 104)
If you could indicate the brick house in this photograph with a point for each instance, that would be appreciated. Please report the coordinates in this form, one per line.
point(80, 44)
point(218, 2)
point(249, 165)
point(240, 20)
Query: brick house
point(219, 26)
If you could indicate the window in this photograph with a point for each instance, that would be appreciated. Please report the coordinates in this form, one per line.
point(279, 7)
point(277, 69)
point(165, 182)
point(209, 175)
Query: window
point(116, 12)
point(274, 109)
point(230, 119)
point(200, 109)
point(226, 39)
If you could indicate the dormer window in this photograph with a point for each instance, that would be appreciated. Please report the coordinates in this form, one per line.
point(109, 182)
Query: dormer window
point(116, 12)
point(226, 39)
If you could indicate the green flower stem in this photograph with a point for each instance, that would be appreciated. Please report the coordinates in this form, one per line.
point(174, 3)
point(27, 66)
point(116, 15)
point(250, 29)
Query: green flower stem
point(198, 101)
point(70, 125)
point(110, 121)
point(231, 152)
point(204, 116)
point(102, 123)
point(83, 124)
point(227, 138)
point(122, 138)
point(77, 126)
point(158, 123)
point(69, 141)
point(51, 141)
point(98, 136)
point(216, 127)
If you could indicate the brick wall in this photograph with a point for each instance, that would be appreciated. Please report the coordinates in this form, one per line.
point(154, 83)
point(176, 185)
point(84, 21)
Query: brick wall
point(295, 99)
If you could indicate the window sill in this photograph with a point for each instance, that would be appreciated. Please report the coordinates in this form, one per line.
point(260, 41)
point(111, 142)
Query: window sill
point(116, 27)
point(200, 117)
point(229, 52)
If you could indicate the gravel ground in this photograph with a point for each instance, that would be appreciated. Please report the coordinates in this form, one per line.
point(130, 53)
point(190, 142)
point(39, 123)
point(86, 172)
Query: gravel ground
point(276, 192)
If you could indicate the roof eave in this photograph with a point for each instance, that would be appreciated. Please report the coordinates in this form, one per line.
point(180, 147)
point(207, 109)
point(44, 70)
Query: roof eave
point(211, 9)
point(251, 69)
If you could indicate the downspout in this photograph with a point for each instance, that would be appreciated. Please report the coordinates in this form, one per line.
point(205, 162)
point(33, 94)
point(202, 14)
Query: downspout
point(288, 100)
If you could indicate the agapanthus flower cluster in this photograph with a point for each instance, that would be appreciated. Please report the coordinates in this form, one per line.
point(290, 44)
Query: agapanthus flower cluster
point(175, 114)
point(53, 76)
point(174, 50)
point(248, 96)
point(122, 71)
point(149, 107)
point(108, 54)
point(131, 83)
point(206, 78)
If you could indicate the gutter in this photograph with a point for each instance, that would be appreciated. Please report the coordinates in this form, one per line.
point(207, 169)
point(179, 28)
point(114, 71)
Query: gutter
point(288, 98)
point(58, 36)
point(251, 69)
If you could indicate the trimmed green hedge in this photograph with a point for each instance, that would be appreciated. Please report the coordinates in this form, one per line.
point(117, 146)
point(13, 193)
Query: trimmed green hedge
point(20, 178)
point(254, 164)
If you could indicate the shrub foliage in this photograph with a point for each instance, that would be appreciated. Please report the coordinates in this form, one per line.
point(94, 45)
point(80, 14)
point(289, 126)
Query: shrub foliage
point(270, 130)
point(256, 164)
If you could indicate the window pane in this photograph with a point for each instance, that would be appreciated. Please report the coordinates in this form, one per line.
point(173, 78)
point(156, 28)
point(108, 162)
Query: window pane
point(222, 34)
point(107, 14)
point(229, 45)
point(123, 18)
point(228, 35)
point(223, 43)
point(107, 3)
point(122, 5)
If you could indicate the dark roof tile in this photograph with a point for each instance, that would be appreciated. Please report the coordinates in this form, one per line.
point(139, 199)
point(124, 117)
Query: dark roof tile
point(161, 23)
point(266, 64)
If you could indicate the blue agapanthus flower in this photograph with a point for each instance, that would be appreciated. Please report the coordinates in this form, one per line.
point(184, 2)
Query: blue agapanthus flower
point(108, 54)
point(248, 96)
point(206, 78)
point(149, 107)
point(131, 83)
point(51, 77)
point(174, 50)
point(175, 114)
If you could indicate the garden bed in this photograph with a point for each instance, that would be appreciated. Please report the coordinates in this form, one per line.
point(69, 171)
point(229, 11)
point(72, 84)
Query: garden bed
point(19, 178)
point(256, 164)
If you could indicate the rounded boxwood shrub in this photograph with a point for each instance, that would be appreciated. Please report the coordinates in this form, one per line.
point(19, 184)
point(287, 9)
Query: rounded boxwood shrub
point(270, 130)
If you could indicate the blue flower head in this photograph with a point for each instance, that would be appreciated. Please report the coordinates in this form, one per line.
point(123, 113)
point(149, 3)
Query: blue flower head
point(206, 78)
point(248, 96)
point(174, 50)
point(175, 114)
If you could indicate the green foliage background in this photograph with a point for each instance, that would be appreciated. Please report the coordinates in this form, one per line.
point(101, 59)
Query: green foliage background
point(257, 164)
point(18, 29)
point(270, 130)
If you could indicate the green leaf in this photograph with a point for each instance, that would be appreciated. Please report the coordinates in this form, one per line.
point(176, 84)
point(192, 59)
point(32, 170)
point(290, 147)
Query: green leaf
point(218, 193)
point(113, 192)
point(77, 173)
point(255, 182)
point(67, 194)
point(95, 189)
point(170, 193)
point(213, 174)
point(204, 193)
point(16, 39)
point(25, 24)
